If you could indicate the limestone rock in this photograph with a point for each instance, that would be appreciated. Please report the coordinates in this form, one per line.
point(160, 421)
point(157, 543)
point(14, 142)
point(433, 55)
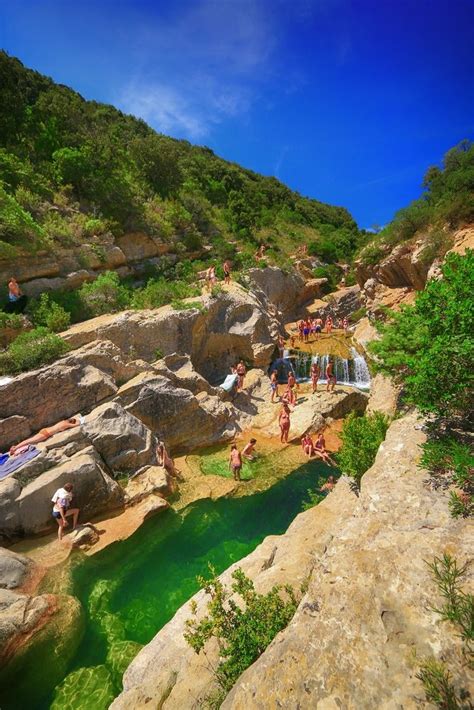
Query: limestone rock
point(137, 246)
point(20, 615)
point(180, 370)
point(365, 332)
point(28, 510)
point(13, 429)
point(287, 291)
point(383, 395)
point(344, 301)
point(120, 438)
point(84, 536)
point(14, 569)
point(151, 480)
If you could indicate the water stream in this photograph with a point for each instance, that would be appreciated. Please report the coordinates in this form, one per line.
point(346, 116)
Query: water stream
point(132, 588)
point(352, 371)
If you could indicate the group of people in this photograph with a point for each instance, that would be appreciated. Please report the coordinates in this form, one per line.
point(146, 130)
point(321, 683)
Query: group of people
point(211, 276)
point(316, 448)
point(315, 326)
point(236, 456)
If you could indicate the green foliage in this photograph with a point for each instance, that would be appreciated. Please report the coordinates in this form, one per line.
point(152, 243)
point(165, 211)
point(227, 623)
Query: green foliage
point(361, 437)
point(438, 686)
point(180, 305)
point(332, 273)
point(216, 290)
point(447, 202)
point(358, 314)
point(451, 459)
point(314, 497)
point(461, 505)
point(87, 158)
point(50, 314)
point(159, 292)
point(430, 346)
point(11, 320)
point(458, 606)
point(32, 349)
point(104, 295)
point(242, 633)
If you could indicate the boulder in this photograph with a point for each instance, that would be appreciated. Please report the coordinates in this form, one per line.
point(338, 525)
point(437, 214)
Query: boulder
point(286, 290)
point(383, 395)
point(14, 569)
point(150, 480)
point(180, 370)
point(27, 510)
point(120, 438)
point(84, 536)
point(180, 418)
point(344, 301)
point(20, 616)
point(138, 246)
point(13, 429)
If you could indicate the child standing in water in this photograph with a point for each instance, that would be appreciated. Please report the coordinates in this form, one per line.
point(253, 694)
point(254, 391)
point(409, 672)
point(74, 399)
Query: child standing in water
point(235, 462)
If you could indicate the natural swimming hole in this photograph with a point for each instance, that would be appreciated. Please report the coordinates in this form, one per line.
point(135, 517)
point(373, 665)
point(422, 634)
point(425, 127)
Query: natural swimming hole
point(131, 589)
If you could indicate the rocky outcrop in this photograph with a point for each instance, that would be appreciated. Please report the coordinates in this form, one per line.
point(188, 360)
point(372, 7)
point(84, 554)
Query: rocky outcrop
point(404, 266)
point(14, 569)
point(343, 302)
point(286, 290)
point(367, 611)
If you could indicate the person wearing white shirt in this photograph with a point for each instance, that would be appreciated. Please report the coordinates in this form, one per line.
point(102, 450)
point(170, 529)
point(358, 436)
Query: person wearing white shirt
point(61, 508)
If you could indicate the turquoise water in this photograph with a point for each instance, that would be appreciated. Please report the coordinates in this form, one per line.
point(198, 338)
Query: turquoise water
point(132, 588)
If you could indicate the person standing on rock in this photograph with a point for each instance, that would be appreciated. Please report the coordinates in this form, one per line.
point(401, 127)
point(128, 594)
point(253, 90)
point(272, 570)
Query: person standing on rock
point(164, 459)
point(211, 277)
point(226, 269)
point(274, 384)
point(330, 376)
point(235, 462)
point(241, 372)
point(62, 510)
point(329, 325)
point(284, 422)
point(281, 345)
point(315, 373)
point(318, 327)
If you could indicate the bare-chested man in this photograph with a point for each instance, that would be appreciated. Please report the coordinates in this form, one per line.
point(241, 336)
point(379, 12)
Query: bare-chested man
point(235, 462)
point(46, 433)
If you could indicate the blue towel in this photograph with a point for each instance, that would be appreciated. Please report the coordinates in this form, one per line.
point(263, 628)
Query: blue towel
point(12, 463)
point(229, 382)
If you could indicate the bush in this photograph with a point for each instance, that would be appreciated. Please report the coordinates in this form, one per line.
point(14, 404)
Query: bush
point(430, 346)
point(159, 292)
point(372, 254)
point(30, 350)
point(332, 273)
point(361, 437)
point(11, 320)
point(449, 458)
point(314, 497)
point(358, 314)
point(438, 685)
point(104, 295)
point(242, 634)
point(50, 314)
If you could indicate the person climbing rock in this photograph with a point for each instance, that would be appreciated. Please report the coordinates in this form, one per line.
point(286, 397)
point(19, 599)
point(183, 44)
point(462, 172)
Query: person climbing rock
point(61, 508)
point(235, 462)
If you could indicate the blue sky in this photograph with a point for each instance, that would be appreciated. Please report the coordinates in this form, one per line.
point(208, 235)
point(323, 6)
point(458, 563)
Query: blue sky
point(347, 101)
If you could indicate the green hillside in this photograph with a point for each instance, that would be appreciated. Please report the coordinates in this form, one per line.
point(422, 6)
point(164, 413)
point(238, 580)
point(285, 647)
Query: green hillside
point(71, 169)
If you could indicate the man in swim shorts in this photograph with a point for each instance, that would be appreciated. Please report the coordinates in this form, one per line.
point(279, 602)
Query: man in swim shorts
point(61, 508)
point(235, 462)
point(330, 377)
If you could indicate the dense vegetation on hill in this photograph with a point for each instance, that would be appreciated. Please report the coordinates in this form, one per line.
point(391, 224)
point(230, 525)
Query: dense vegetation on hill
point(446, 203)
point(72, 169)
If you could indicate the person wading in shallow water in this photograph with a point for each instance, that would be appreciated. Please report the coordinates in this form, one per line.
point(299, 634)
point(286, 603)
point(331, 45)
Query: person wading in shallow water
point(235, 462)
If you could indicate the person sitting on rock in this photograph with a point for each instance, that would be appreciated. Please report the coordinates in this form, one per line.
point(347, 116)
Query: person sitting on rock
point(307, 445)
point(248, 450)
point(16, 299)
point(320, 450)
point(235, 462)
point(45, 434)
point(61, 508)
point(164, 459)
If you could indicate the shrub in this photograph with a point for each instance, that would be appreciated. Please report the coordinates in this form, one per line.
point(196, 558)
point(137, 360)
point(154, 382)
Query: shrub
point(332, 273)
point(180, 305)
point(358, 314)
point(216, 291)
point(430, 346)
point(32, 349)
point(449, 458)
point(50, 314)
point(438, 685)
point(159, 292)
point(11, 320)
point(461, 505)
point(361, 437)
point(242, 634)
point(104, 295)
point(372, 254)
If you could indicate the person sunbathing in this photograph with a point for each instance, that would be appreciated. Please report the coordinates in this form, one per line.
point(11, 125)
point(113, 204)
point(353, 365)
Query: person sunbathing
point(307, 445)
point(45, 433)
point(320, 450)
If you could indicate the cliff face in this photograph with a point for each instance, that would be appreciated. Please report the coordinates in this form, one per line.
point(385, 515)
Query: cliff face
point(367, 611)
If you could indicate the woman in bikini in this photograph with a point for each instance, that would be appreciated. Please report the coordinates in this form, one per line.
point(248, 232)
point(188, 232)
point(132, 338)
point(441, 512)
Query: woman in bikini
point(274, 385)
point(284, 422)
point(328, 324)
point(45, 433)
point(307, 445)
point(320, 450)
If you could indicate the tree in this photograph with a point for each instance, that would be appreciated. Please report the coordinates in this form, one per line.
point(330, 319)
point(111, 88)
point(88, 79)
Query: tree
point(430, 346)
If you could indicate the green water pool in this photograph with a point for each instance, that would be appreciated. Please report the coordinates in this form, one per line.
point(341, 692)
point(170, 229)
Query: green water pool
point(131, 589)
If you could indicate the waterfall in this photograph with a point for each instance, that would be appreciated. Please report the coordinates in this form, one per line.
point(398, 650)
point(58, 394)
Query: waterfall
point(352, 372)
